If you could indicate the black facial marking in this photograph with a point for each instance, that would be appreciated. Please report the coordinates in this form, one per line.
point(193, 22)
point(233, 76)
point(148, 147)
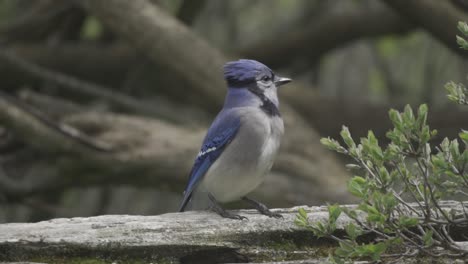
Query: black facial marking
point(267, 105)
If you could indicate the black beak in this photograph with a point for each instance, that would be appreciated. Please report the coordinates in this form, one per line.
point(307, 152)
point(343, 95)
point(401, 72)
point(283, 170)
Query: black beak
point(281, 81)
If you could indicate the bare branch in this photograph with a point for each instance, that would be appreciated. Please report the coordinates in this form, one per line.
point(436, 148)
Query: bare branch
point(81, 87)
point(58, 136)
point(189, 10)
point(325, 33)
point(167, 42)
point(106, 64)
point(440, 18)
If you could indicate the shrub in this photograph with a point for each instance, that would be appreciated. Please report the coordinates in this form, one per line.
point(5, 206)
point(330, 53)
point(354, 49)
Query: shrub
point(401, 188)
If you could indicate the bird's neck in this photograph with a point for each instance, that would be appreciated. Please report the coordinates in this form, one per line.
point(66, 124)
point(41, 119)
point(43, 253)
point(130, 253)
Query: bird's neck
point(240, 97)
point(251, 97)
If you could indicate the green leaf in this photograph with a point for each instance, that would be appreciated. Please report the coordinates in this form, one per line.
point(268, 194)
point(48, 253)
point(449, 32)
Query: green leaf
point(371, 137)
point(384, 175)
point(352, 166)
point(357, 186)
point(406, 221)
point(457, 92)
point(425, 135)
point(350, 212)
point(422, 110)
point(301, 218)
point(422, 117)
point(444, 146)
point(319, 229)
point(464, 136)
point(454, 149)
point(376, 217)
point(462, 42)
point(346, 135)
point(334, 211)
point(438, 162)
point(379, 248)
point(303, 213)
point(396, 119)
point(330, 143)
point(427, 238)
point(353, 231)
point(408, 116)
point(463, 27)
point(389, 202)
point(374, 251)
point(346, 248)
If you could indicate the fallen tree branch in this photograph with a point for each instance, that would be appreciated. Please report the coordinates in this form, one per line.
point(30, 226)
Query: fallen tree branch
point(189, 10)
point(167, 42)
point(68, 131)
point(55, 108)
point(99, 63)
point(35, 21)
point(440, 18)
point(39, 131)
point(188, 237)
point(326, 32)
point(80, 87)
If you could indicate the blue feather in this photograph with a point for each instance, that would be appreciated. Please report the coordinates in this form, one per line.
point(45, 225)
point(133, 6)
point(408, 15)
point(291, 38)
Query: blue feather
point(243, 72)
point(220, 134)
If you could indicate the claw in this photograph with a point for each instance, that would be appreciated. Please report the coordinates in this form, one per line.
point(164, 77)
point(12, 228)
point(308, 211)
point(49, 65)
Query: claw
point(240, 217)
point(274, 215)
point(223, 213)
point(263, 209)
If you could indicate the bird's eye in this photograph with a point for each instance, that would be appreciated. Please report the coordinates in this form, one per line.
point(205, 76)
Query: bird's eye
point(265, 78)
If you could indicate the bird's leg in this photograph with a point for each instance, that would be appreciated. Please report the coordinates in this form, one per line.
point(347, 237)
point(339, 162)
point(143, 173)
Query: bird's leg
point(215, 206)
point(263, 209)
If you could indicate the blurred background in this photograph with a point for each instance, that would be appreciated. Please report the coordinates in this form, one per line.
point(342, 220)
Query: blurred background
point(104, 103)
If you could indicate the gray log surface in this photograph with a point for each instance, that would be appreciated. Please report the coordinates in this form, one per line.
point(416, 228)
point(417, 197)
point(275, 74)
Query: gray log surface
point(190, 237)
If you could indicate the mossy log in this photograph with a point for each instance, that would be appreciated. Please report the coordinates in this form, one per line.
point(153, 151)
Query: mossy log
point(190, 237)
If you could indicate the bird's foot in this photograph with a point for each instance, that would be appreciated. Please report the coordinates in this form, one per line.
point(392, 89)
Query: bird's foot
point(227, 214)
point(269, 213)
point(263, 209)
point(223, 213)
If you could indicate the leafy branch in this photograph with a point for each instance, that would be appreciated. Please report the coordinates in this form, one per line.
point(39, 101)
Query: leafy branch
point(401, 187)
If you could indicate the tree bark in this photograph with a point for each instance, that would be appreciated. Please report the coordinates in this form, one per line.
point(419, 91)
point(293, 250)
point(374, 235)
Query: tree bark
point(168, 42)
point(440, 18)
point(191, 237)
point(105, 64)
point(324, 34)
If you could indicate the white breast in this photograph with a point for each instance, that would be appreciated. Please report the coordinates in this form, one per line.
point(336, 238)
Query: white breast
point(247, 159)
point(271, 145)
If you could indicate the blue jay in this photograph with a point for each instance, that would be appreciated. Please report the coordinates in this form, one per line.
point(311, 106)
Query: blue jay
point(241, 144)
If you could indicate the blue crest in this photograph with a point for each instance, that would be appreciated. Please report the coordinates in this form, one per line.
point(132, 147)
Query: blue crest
point(244, 71)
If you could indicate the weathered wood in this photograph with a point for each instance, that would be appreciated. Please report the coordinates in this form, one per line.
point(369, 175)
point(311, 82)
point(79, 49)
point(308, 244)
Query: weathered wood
point(174, 236)
point(191, 237)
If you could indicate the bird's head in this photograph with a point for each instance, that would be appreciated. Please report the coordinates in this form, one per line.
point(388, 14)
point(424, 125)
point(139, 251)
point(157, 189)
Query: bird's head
point(243, 73)
point(254, 76)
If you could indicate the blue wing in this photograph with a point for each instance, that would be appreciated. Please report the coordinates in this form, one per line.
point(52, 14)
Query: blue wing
point(220, 134)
